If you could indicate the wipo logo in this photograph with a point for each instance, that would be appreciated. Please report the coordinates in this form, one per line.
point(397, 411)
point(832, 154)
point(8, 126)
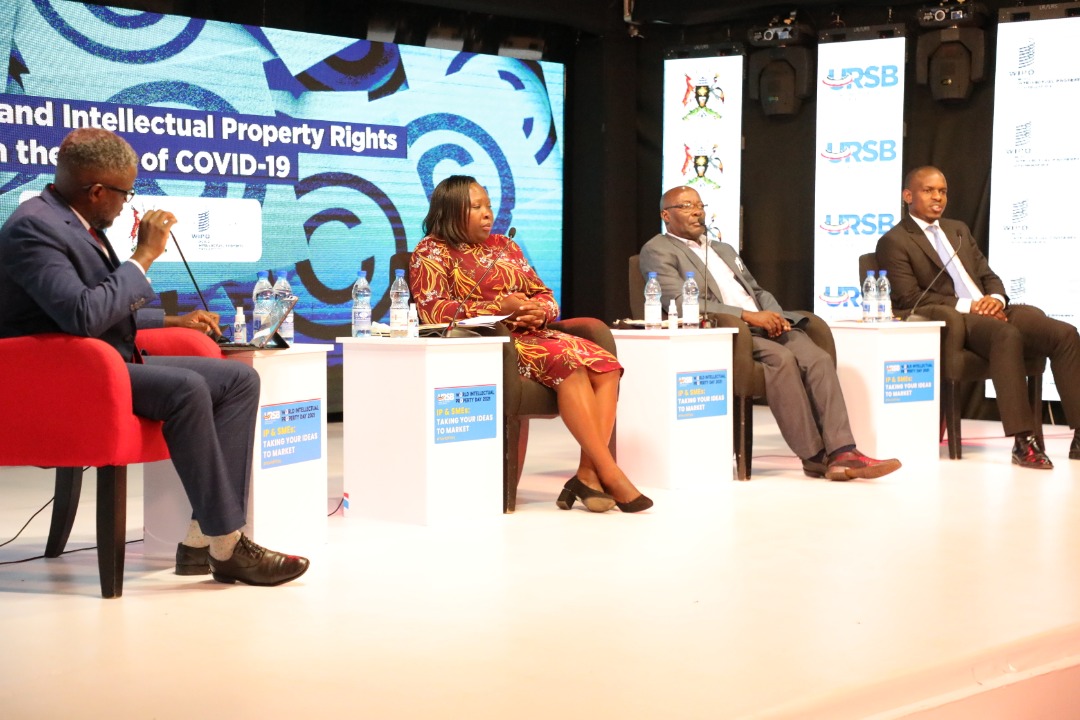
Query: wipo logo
point(862, 78)
point(1023, 134)
point(860, 151)
point(1026, 55)
point(1025, 60)
point(854, 224)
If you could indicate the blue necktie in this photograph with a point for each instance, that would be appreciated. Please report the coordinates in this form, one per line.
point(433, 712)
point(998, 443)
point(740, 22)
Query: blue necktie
point(945, 252)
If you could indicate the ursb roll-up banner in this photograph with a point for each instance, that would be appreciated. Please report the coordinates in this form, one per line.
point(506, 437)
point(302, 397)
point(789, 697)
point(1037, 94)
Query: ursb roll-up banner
point(860, 126)
point(1034, 237)
point(703, 137)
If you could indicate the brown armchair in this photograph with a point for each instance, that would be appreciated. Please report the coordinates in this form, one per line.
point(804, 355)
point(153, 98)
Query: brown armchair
point(960, 365)
point(525, 399)
point(747, 375)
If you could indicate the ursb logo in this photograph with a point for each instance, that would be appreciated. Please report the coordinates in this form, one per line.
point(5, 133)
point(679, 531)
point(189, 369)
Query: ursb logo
point(860, 151)
point(868, 224)
point(845, 296)
point(864, 78)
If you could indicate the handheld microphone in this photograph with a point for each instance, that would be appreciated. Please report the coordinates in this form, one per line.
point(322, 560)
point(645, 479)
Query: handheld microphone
point(912, 317)
point(461, 302)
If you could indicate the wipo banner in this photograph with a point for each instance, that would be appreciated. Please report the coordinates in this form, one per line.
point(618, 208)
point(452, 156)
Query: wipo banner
point(703, 137)
point(860, 125)
point(1034, 237)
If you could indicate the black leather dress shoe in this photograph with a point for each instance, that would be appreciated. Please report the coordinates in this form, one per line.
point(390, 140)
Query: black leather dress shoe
point(1027, 454)
point(253, 564)
point(1074, 449)
point(192, 560)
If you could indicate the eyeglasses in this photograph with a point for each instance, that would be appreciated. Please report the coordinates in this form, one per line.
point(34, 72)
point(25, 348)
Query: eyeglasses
point(128, 194)
point(687, 206)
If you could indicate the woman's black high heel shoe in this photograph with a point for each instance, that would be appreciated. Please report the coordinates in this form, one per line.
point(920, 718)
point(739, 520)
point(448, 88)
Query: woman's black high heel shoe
point(593, 500)
point(636, 505)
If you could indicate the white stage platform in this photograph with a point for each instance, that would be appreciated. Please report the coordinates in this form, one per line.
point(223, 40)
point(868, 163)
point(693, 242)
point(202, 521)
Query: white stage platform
point(948, 592)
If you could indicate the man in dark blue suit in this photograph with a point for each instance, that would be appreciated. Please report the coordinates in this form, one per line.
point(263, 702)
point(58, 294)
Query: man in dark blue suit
point(58, 273)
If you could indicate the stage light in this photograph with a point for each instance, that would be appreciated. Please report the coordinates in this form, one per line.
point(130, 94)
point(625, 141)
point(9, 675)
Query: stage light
point(951, 56)
point(781, 74)
point(523, 48)
point(381, 28)
point(443, 37)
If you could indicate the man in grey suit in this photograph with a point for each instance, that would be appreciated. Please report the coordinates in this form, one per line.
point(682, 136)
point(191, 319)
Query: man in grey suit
point(800, 378)
point(58, 273)
point(935, 261)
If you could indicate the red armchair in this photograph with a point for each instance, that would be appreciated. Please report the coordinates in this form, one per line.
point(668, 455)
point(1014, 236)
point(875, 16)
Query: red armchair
point(67, 404)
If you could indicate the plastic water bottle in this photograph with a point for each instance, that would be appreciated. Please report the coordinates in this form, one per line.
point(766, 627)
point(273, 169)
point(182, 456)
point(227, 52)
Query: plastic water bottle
point(414, 321)
point(652, 303)
point(869, 298)
point(399, 306)
point(361, 306)
point(239, 326)
point(691, 314)
point(283, 291)
point(672, 315)
point(262, 297)
point(884, 302)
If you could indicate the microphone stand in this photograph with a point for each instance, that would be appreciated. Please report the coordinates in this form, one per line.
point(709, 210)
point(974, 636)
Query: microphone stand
point(461, 302)
point(912, 317)
point(190, 274)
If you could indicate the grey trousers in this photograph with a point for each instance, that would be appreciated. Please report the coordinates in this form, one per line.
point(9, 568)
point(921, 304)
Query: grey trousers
point(804, 393)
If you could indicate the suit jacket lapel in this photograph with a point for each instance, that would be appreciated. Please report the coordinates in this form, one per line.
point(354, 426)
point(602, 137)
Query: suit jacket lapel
point(922, 242)
point(736, 270)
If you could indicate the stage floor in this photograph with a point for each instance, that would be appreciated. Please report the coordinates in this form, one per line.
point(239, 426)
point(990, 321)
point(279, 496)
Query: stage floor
point(782, 597)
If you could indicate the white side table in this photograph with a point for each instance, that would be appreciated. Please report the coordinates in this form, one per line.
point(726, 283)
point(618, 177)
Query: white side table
point(423, 428)
point(890, 373)
point(675, 406)
point(287, 495)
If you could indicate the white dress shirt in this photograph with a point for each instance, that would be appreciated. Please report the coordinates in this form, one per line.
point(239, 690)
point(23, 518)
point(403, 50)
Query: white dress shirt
point(962, 304)
point(732, 291)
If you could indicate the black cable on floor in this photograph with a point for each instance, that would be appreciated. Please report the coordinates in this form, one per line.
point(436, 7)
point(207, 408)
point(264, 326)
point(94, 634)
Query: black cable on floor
point(66, 552)
point(7, 542)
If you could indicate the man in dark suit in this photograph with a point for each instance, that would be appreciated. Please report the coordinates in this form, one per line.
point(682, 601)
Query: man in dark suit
point(800, 377)
point(58, 273)
point(915, 252)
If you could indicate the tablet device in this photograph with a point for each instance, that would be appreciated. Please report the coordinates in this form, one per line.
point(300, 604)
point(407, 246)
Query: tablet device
point(267, 337)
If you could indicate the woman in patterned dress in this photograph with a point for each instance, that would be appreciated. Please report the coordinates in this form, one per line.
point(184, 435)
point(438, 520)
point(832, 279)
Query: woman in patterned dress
point(457, 252)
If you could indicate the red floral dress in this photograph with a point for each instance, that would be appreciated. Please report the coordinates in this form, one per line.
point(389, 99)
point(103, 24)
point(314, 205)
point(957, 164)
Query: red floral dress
point(440, 273)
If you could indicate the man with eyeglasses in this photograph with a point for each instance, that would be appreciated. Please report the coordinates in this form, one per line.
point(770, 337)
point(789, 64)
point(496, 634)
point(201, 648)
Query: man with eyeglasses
point(58, 273)
point(800, 378)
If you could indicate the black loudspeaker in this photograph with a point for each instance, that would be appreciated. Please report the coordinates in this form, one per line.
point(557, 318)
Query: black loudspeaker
point(950, 61)
point(781, 78)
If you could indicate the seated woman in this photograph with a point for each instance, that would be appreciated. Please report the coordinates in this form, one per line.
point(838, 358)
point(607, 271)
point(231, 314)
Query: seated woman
point(451, 276)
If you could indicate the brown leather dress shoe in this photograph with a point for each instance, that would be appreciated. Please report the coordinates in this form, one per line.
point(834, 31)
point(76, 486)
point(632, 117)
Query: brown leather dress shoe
point(192, 560)
point(853, 465)
point(1074, 449)
point(1027, 453)
point(253, 564)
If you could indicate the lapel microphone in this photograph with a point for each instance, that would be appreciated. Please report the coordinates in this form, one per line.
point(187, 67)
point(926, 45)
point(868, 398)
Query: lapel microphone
point(461, 302)
point(912, 317)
